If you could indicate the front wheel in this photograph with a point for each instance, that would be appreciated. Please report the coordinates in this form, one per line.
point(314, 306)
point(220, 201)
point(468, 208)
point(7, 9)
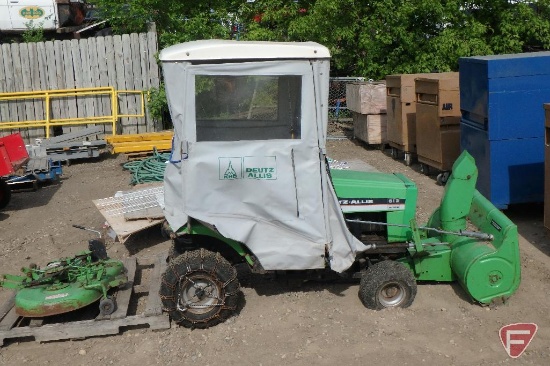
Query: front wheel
point(387, 284)
point(200, 289)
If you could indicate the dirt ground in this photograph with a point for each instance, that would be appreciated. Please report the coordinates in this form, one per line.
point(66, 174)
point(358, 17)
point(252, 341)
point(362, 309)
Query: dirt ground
point(315, 324)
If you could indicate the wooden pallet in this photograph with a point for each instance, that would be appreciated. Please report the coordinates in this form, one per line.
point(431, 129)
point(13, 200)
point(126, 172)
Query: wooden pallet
point(102, 325)
point(135, 143)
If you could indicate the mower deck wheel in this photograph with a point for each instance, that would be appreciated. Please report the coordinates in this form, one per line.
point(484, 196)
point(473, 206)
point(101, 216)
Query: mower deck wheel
point(107, 306)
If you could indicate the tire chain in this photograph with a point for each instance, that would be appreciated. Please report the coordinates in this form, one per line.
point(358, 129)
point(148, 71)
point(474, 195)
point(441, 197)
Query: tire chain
point(212, 272)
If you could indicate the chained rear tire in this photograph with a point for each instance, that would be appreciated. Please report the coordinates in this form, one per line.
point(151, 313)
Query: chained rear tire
point(387, 284)
point(200, 289)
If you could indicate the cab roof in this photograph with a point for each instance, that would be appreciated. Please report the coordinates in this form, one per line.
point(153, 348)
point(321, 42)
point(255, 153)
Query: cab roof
point(216, 49)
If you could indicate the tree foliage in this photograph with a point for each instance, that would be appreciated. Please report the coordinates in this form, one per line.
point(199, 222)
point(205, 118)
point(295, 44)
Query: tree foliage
point(366, 38)
point(33, 33)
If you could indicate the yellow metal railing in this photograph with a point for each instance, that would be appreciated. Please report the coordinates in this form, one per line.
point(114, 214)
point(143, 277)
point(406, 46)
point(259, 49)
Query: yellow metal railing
point(49, 95)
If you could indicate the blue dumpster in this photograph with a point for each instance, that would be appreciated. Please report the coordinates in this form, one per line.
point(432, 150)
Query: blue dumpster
point(502, 123)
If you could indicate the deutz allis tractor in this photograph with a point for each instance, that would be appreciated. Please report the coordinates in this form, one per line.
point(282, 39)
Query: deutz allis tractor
point(248, 188)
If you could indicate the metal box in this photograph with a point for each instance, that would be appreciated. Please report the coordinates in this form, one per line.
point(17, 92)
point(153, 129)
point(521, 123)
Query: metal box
point(401, 110)
point(13, 154)
point(438, 121)
point(502, 123)
point(547, 166)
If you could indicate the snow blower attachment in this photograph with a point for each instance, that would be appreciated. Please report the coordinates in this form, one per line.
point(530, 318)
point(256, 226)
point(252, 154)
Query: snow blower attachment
point(67, 284)
point(485, 262)
point(487, 267)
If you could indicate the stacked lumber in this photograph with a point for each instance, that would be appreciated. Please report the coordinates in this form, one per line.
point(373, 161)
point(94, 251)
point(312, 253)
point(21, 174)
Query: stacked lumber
point(141, 142)
point(367, 101)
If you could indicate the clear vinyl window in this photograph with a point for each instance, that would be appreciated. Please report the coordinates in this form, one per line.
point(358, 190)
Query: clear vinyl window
point(252, 107)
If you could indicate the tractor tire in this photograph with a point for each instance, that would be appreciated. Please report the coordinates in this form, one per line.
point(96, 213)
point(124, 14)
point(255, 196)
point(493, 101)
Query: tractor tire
point(5, 194)
point(387, 284)
point(200, 289)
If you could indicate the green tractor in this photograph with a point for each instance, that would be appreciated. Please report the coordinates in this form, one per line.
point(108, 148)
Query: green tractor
point(248, 188)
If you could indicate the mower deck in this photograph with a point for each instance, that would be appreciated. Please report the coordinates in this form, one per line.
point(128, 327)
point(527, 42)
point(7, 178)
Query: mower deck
point(13, 326)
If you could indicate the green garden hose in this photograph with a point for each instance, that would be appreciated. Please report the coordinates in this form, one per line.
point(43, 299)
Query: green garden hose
point(150, 169)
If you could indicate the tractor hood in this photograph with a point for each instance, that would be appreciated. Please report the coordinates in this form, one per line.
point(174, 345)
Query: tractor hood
point(369, 191)
point(392, 194)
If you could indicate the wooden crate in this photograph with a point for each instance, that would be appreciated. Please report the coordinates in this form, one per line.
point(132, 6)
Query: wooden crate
point(366, 97)
point(370, 128)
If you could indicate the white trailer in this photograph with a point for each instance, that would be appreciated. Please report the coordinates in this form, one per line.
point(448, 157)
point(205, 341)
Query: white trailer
point(16, 16)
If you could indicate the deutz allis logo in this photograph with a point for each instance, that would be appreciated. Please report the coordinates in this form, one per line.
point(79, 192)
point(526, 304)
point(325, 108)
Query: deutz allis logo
point(260, 167)
point(230, 168)
point(230, 172)
point(31, 12)
point(260, 173)
point(248, 167)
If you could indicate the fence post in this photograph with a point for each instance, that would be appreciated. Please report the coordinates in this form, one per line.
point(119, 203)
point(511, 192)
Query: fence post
point(47, 102)
point(114, 107)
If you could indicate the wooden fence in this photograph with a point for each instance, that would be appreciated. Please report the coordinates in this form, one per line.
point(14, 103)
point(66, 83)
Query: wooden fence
point(124, 62)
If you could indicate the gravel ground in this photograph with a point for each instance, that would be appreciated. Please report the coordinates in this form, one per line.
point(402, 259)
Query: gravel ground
point(316, 323)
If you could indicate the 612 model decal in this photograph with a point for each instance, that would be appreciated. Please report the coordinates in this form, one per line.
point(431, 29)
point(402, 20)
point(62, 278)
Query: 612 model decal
point(371, 204)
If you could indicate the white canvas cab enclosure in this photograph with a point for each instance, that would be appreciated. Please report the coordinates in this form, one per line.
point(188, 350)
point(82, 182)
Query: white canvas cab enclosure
point(248, 157)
